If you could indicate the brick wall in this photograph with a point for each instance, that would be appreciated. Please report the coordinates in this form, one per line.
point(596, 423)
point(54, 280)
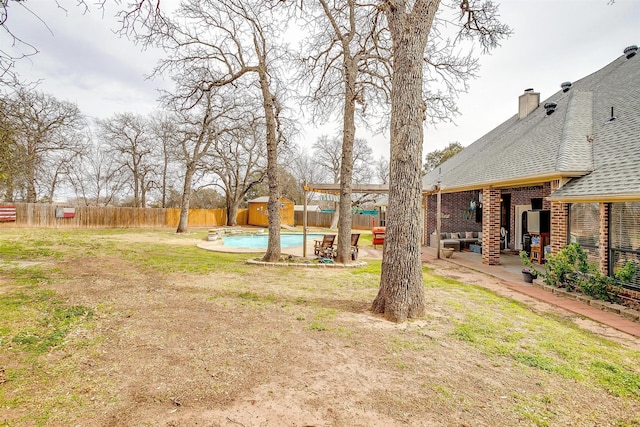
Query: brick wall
point(491, 226)
point(559, 226)
point(603, 244)
point(456, 215)
point(559, 221)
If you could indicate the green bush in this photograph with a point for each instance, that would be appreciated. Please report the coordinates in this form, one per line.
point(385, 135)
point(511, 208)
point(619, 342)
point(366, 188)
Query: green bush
point(564, 268)
point(571, 269)
point(600, 286)
point(627, 272)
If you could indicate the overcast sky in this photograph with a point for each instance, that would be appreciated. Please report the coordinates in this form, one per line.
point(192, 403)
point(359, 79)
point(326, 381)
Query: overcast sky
point(81, 60)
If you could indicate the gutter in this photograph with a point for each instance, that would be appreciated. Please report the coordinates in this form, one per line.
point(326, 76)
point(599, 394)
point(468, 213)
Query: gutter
point(514, 182)
point(599, 198)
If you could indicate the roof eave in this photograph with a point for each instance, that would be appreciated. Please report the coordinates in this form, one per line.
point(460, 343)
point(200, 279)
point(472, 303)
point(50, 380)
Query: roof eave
point(513, 182)
point(596, 198)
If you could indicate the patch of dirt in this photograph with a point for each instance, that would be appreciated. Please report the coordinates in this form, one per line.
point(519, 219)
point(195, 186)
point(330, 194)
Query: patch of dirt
point(185, 350)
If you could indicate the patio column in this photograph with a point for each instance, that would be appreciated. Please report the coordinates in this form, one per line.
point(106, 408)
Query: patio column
point(559, 222)
point(603, 240)
point(490, 226)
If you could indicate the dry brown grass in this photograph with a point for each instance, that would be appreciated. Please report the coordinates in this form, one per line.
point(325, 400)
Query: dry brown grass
point(182, 337)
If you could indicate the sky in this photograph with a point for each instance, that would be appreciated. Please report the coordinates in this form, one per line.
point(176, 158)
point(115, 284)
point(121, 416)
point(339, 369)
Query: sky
point(81, 60)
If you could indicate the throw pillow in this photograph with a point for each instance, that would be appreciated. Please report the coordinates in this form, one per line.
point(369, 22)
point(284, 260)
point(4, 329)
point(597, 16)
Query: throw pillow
point(455, 235)
point(469, 235)
point(480, 235)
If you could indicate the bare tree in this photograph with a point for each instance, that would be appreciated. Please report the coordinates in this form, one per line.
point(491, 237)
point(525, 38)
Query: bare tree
point(345, 62)
point(47, 134)
point(97, 179)
point(327, 156)
point(401, 293)
point(238, 159)
point(235, 42)
point(10, 153)
point(200, 128)
point(381, 170)
point(130, 141)
point(164, 129)
point(327, 153)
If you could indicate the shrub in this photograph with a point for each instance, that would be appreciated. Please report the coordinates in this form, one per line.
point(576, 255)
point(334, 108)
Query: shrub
point(600, 286)
point(571, 269)
point(564, 268)
point(627, 272)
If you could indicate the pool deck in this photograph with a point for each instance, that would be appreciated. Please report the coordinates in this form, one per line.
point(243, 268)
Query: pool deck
point(218, 246)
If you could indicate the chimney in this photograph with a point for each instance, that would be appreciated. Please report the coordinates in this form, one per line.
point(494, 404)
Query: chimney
point(527, 102)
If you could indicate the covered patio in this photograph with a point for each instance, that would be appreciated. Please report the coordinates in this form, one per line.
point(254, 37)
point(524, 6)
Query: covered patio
point(509, 269)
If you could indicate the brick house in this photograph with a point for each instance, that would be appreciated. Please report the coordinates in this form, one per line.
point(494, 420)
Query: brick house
point(576, 154)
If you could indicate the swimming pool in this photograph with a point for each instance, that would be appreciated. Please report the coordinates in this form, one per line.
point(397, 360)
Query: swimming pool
point(259, 241)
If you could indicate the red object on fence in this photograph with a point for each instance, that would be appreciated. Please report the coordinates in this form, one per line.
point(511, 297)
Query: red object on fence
point(7, 213)
point(65, 212)
point(378, 235)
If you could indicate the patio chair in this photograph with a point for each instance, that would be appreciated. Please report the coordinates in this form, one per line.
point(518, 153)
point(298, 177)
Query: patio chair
point(354, 245)
point(324, 247)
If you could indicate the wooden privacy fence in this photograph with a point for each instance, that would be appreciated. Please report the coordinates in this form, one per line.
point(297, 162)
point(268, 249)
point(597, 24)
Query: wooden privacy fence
point(60, 216)
point(323, 220)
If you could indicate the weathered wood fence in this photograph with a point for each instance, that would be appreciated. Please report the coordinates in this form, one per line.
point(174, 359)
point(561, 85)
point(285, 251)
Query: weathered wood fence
point(44, 215)
point(48, 216)
point(323, 219)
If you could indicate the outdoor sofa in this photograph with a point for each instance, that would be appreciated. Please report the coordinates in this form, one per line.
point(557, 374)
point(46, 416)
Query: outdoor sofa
point(457, 241)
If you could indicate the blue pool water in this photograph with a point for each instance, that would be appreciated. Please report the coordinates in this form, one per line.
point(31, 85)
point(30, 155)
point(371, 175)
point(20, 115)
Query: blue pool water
point(259, 241)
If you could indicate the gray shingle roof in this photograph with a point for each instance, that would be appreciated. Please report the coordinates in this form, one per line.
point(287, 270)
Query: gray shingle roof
point(577, 141)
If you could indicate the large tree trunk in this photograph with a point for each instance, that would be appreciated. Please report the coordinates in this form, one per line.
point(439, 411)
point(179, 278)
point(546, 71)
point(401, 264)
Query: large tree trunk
point(232, 212)
point(183, 223)
point(336, 216)
point(273, 206)
point(346, 165)
point(401, 293)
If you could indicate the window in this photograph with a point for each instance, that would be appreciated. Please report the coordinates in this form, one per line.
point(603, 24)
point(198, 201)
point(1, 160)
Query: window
point(584, 219)
point(624, 236)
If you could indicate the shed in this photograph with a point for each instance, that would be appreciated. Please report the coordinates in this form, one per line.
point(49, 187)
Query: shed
point(258, 213)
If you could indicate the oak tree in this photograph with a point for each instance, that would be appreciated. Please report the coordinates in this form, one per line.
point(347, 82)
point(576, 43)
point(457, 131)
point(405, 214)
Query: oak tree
point(401, 293)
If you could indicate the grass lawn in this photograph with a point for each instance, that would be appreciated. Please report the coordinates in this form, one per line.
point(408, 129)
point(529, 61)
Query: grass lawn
point(141, 327)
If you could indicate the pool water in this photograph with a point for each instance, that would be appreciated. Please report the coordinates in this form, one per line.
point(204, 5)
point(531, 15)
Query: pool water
point(259, 241)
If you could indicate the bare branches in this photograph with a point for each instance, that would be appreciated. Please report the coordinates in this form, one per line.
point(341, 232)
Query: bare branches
point(357, 40)
point(43, 134)
point(480, 21)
